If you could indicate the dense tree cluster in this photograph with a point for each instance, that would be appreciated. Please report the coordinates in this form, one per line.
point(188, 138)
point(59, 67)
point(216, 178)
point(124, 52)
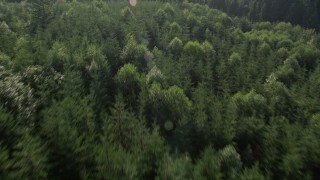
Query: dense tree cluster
point(104, 90)
point(303, 12)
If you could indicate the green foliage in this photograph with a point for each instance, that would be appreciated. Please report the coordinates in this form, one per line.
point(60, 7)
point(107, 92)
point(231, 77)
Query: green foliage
point(230, 162)
point(170, 105)
point(178, 168)
point(161, 16)
point(234, 58)
point(7, 38)
point(58, 55)
point(177, 100)
point(68, 128)
point(155, 76)
point(264, 49)
point(23, 53)
point(42, 13)
point(126, 13)
point(153, 152)
point(193, 49)
point(4, 162)
point(122, 133)
point(114, 163)
point(101, 81)
point(161, 90)
point(307, 57)
point(175, 28)
point(251, 104)
point(208, 50)
point(134, 53)
point(281, 101)
point(211, 124)
point(175, 46)
point(17, 97)
point(45, 82)
point(208, 166)
point(289, 72)
point(5, 60)
point(287, 43)
point(128, 80)
point(30, 159)
point(10, 134)
point(169, 9)
point(122, 127)
point(252, 174)
point(271, 10)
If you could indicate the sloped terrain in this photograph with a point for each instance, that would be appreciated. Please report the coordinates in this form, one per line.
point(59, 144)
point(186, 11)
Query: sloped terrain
point(151, 90)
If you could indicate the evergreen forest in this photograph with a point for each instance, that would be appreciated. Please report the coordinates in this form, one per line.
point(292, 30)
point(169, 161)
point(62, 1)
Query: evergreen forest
point(163, 90)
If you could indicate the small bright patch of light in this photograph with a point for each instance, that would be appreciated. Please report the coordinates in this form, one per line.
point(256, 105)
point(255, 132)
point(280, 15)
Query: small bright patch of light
point(133, 2)
point(168, 125)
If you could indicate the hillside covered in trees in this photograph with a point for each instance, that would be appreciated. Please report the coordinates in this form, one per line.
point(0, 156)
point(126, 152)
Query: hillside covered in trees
point(100, 89)
point(303, 12)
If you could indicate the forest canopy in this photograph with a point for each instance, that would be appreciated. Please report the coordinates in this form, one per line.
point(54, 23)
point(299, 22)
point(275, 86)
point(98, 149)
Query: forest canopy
point(105, 89)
